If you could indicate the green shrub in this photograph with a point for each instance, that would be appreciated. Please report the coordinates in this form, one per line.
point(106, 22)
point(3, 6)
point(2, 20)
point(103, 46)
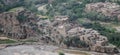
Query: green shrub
point(21, 17)
point(74, 42)
point(7, 41)
point(60, 53)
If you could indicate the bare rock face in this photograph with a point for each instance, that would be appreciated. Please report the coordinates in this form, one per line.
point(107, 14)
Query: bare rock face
point(18, 25)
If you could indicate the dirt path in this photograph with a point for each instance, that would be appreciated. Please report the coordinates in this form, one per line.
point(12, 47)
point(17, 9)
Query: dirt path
point(3, 38)
point(33, 50)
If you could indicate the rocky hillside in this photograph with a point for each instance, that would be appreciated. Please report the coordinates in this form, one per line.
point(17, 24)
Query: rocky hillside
point(18, 25)
point(73, 23)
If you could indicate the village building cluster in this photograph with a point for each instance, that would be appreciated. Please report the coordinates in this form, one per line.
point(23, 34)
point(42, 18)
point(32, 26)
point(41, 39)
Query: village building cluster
point(60, 27)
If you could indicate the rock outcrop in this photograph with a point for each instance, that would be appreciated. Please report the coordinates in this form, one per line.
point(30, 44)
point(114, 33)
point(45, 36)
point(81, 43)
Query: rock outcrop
point(18, 25)
point(107, 8)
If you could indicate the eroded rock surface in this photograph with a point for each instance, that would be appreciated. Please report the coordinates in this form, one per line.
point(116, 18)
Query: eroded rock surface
point(18, 25)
